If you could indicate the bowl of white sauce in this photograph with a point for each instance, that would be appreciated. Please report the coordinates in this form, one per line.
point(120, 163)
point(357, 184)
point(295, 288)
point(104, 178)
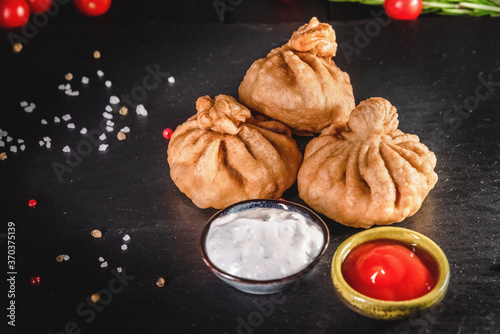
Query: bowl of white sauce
point(263, 246)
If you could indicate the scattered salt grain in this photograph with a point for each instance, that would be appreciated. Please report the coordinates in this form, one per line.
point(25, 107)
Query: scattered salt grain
point(62, 87)
point(104, 264)
point(22, 147)
point(71, 125)
point(13, 148)
point(109, 129)
point(171, 80)
point(83, 131)
point(75, 93)
point(9, 139)
point(41, 143)
point(48, 144)
point(66, 257)
point(20, 141)
point(124, 247)
point(67, 87)
point(57, 119)
point(66, 117)
point(100, 73)
point(3, 133)
point(140, 110)
point(102, 137)
point(109, 108)
point(44, 122)
point(114, 99)
point(126, 237)
point(103, 147)
point(110, 123)
point(23, 104)
point(119, 270)
point(101, 259)
point(47, 139)
point(30, 108)
point(125, 129)
point(107, 115)
point(2, 144)
point(66, 149)
point(85, 80)
point(108, 83)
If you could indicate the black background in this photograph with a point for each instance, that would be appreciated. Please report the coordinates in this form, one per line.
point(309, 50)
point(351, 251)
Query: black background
point(427, 68)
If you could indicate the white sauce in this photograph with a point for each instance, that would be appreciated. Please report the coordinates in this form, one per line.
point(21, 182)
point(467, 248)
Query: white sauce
point(263, 243)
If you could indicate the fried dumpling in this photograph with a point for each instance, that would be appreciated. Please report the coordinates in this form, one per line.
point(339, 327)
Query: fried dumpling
point(299, 83)
point(367, 172)
point(223, 155)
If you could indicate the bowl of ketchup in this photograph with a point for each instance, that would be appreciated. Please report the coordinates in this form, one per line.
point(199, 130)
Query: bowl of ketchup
point(388, 273)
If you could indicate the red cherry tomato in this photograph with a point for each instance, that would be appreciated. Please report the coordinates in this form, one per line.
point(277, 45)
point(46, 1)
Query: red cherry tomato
point(13, 13)
point(403, 9)
point(93, 7)
point(39, 6)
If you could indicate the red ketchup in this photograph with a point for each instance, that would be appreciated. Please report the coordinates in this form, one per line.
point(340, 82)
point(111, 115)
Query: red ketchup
point(387, 270)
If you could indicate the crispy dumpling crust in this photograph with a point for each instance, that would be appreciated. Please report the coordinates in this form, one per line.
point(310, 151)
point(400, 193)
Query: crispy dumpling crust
point(299, 83)
point(223, 155)
point(367, 172)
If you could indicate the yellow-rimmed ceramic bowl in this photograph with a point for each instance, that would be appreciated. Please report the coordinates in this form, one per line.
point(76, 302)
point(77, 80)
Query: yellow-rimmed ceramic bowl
point(383, 309)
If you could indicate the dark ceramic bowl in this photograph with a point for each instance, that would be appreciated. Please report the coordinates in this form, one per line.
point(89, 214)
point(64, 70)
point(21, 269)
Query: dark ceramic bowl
point(264, 286)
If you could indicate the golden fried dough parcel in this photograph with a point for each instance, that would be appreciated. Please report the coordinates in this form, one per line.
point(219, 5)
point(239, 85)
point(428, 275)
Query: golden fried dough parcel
point(299, 83)
point(223, 155)
point(367, 172)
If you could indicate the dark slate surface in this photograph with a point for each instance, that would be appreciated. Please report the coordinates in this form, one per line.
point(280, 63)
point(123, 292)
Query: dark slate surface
point(428, 69)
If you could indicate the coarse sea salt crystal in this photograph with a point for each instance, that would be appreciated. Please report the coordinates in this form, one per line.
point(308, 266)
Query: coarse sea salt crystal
point(13, 148)
point(3, 133)
point(57, 119)
point(9, 139)
point(85, 80)
point(48, 144)
point(75, 93)
point(109, 108)
point(102, 137)
point(66, 257)
point(66, 149)
point(140, 110)
point(101, 259)
point(110, 123)
point(22, 147)
point(66, 117)
point(108, 83)
point(44, 122)
point(67, 87)
point(20, 141)
point(47, 139)
point(171, 79)
point(41, 143)
point(125, 129)
point(126, 237)
point(119, 269)
point(2, 144)
point(83, 131)
point(114, 99)
point(109, 128)
point(124, 247)
point(100, 73)
point(29, 109)
point(62, 87)
point(107, 115)
point(103, 147)
point(104, 264)
point(23, 104)
point(71, 125)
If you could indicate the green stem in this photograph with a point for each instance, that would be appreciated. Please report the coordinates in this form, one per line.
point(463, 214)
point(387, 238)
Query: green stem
point(482, 7)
